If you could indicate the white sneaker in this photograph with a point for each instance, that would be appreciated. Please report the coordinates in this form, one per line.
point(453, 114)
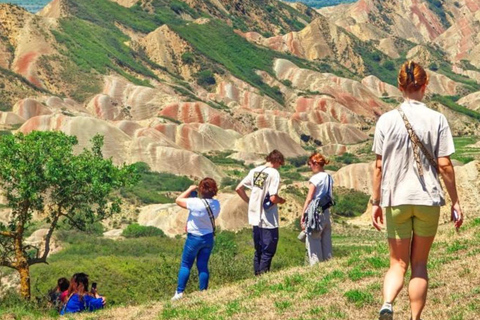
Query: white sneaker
point(386, 312)
point(177, 296)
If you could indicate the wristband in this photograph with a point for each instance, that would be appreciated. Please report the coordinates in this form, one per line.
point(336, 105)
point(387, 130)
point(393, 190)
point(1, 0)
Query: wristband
point(374, 202)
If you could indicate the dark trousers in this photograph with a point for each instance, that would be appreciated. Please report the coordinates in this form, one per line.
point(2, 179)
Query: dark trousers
point(265, 241)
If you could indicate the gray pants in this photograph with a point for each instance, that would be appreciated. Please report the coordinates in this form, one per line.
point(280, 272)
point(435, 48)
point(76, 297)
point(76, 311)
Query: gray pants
point(319, 244)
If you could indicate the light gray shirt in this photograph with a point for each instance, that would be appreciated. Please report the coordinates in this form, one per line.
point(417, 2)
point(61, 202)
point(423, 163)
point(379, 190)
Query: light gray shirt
point(262, 180)
point(401, 182)
point(321, 182)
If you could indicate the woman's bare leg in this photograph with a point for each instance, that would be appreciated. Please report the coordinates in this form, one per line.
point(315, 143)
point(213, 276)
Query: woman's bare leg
point(417, 288)
point(399, 258)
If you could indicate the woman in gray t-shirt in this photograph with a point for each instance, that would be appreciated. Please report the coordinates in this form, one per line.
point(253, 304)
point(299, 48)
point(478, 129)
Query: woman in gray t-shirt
point(318, 243)
point(406, 183)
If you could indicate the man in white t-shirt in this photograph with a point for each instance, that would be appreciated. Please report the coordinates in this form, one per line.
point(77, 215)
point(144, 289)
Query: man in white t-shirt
point(264, 182)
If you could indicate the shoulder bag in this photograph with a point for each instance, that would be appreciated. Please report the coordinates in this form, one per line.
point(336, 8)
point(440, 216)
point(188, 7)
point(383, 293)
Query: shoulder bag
point(210, 215)
point(417, 144)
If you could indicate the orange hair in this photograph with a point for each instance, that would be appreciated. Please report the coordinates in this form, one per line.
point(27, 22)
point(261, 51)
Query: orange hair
point(208, 188)
point(318, 158)
point(411, 77)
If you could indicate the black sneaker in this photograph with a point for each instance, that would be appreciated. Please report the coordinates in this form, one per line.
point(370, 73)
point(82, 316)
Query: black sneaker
point(386, 314)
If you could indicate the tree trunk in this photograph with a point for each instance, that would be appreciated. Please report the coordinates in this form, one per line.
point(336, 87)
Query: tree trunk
point(24, 271)
point(21, 264)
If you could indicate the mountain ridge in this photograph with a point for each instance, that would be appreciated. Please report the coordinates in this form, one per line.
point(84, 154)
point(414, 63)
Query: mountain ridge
point(169, 81)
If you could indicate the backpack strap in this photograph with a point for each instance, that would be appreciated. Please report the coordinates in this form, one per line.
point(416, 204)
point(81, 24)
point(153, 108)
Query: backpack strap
point(329, 178)
point(210, 215)
point(417, 144)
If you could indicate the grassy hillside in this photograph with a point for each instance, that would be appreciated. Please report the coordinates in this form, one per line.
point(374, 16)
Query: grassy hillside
point(134, 271)
point(347, 287)
point(96, 45)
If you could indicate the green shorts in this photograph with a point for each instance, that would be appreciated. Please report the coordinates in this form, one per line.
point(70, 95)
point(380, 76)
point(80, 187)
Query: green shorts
point(405, 219)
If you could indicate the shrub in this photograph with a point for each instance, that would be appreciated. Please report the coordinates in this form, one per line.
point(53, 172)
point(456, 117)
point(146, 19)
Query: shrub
point(229, 182)
point(298, 161)
point(137, 231)
point(188, 58)
point(305, 137)
point(347, 158)
point(389, 65)
point(433, 66)
point(205, 78)
point(349, 202)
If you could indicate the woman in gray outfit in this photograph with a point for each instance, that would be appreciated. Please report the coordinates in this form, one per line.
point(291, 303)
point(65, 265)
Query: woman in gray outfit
point(318, 243)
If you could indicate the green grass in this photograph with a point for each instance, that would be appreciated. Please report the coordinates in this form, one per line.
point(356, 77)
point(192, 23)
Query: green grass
point(359, 297)
point(92, 40)
point(221, 158)
point(152, 186)
point(464, 154)
point(450, 102)
point(219, 43)
point(134, 270)
point(349, 284)
point(93, 47)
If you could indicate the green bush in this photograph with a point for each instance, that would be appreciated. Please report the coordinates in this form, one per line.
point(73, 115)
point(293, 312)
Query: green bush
point(229, 182)
point(188, 58)
point(298, 162)
point(389, 65)
point(347, 158)
point(205, 78)
point(349, 202)
point(137, 231)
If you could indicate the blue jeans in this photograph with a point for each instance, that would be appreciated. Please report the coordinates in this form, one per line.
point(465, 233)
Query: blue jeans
point(199, 247)
point(265, 241)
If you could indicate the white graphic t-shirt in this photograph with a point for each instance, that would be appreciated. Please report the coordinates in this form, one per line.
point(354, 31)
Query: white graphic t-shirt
point(262, 180)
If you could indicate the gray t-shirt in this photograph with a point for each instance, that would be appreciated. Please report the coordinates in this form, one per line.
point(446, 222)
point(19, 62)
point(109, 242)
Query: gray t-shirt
point(198, 222)
point(322, 184)
point(261, 180)
point(401, 182)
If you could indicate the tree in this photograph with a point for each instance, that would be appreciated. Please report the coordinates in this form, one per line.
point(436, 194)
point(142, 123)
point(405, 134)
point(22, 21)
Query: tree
point(205, 78)
point(40, 173)
point(389, 65)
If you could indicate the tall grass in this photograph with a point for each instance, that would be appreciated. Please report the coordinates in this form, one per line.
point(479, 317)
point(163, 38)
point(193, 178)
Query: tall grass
point(136, 270)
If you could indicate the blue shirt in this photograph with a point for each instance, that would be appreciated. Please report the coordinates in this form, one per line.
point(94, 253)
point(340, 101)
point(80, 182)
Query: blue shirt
point(88, 303)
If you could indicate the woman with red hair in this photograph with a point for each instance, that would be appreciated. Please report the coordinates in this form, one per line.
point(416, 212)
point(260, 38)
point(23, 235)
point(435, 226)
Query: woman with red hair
point(318, 242)
point(413, 144)
point(203, 211)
